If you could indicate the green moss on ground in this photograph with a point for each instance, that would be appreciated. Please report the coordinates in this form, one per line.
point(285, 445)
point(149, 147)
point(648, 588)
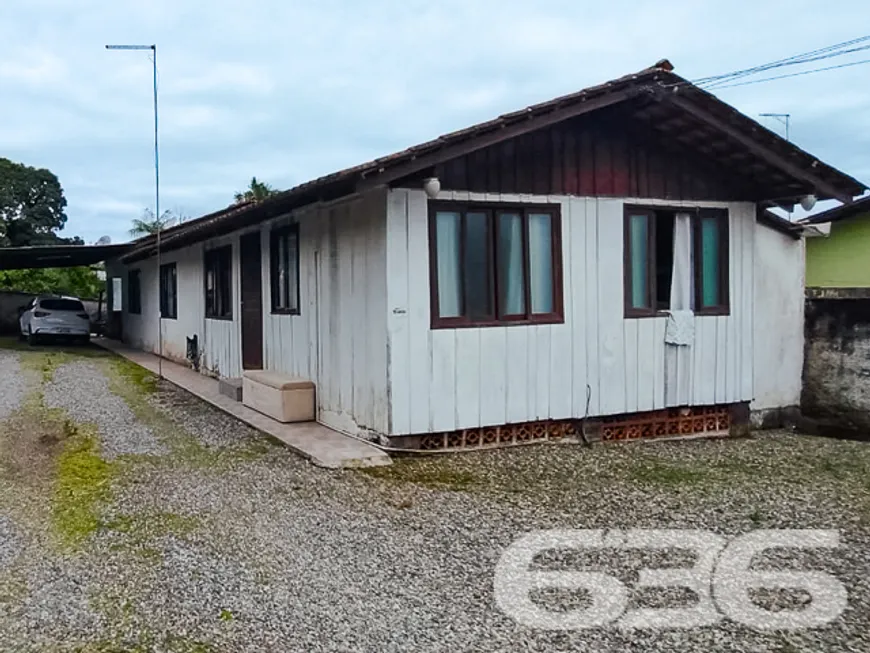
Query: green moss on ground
point(82, 485)
point(425, 472)
point(134, 384)
point(131, 381)
point(146, 642)
point(655, 472)
point(138, 531)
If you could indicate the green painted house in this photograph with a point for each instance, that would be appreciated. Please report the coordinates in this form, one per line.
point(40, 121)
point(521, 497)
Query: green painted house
point(841, 259)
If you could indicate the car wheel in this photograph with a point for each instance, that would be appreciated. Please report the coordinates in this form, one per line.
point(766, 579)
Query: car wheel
point(31, 338)
point(84, 341)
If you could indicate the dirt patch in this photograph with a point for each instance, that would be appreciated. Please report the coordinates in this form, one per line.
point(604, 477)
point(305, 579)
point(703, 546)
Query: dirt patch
point(30, 440)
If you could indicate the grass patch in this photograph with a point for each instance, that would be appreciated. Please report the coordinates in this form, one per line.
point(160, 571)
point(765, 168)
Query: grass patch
point(140, 530)
point(668, 474)
point(147, 643)
point(425, 473)
point(82, 484)
point(132, 378)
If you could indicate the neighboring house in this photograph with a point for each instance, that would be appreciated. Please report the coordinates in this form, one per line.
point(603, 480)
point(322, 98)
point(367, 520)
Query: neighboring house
point(837, 365)
point(841, 259)
point(501, 283)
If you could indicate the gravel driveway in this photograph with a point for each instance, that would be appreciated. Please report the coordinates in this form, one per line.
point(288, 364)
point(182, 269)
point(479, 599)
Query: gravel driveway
point(136, 518)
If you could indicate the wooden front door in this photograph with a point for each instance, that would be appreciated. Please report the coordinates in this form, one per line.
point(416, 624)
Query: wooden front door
point(252, 302)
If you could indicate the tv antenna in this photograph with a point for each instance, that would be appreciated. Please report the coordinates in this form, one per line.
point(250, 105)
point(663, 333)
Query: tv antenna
point(783, 118)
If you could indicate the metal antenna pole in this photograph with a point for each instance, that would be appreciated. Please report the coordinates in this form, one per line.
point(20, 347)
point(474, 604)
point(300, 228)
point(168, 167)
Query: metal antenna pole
point(153, 48)
point(159, 218)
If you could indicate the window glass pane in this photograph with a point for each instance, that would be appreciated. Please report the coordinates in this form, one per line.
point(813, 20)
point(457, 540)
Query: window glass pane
point(512, 293)
point(292, 270)
point(61, 305)
point(282, 271)
point(447, 263)
point(639, 243)
point(478, 298)
point(710, 262)
point(541, 262)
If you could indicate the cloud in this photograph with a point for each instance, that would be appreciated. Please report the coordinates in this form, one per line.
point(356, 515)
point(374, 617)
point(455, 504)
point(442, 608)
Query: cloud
point(291, 91)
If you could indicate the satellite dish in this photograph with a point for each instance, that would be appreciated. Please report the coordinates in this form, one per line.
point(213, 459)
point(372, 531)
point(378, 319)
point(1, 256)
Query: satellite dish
point(104, 240)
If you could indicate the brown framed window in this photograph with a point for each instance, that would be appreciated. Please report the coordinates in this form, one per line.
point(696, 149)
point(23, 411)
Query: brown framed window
point(711, 262)
point(494, 264)
point(218, 279)
point(675, 255)
point(284, 266)
point(134, 291)
point(168, 291)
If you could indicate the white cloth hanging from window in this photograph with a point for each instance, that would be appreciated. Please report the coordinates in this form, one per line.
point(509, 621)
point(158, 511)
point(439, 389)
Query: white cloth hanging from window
point(680, 329)
point(682, 279)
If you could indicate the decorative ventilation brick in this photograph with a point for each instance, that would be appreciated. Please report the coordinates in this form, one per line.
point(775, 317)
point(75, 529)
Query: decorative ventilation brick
point(674, 422)
point(501, 436)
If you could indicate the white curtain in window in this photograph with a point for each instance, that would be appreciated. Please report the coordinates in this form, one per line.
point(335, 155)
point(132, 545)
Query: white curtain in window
point(447, 251)
point(510, 245)
point(541, 262)
point(683, 278)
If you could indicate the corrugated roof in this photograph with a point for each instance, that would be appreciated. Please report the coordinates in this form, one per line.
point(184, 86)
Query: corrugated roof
point(59, 256)
point(658, 84)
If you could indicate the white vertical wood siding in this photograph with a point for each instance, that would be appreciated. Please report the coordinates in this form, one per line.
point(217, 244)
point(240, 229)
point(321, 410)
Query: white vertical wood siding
point(779, 320)
point(339, 340)
point(445, 379)
point(219, 340)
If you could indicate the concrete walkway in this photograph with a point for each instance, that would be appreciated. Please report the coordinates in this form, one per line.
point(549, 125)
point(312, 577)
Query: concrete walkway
point(319, 444)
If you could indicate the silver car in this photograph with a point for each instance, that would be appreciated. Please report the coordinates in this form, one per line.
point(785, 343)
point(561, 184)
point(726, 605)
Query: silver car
point(55, 318)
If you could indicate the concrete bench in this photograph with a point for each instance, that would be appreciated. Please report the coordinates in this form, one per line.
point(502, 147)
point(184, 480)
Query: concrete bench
point(283, 398)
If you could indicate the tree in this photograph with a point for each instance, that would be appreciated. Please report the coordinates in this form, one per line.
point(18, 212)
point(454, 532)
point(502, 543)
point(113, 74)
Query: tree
point(79, 281)
point(148, 224)
point(256, 192)
point(31, 206)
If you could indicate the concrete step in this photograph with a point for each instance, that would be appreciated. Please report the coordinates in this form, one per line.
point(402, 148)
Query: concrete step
point(231, 387)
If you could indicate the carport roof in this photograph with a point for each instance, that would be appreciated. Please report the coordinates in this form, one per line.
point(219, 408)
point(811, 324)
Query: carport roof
point(58, 256)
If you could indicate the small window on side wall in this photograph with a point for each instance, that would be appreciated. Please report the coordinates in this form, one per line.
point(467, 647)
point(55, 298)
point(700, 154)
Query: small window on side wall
point(168, 291)
point(218, 280)
point(284, 276)
point(495, 265)
point(711, 263)
point(134, 292)
point(676, 256)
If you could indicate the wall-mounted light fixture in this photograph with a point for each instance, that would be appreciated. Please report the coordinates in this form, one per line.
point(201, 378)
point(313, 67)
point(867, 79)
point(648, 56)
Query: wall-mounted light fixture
point(808, 202)
point(432, 186)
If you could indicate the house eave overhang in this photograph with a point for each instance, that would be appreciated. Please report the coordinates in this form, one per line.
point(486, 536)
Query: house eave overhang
point(782, 172)
point(59, 256)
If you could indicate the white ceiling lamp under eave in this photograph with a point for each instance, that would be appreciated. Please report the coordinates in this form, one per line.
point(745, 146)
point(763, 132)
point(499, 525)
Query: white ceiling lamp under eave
point(808, 202)
point(432, 186)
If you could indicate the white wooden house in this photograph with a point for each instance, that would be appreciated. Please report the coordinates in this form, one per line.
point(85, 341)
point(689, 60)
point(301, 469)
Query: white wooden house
point(515, 279)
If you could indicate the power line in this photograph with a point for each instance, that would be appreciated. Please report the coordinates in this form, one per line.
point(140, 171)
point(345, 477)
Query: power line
point(835, 50)
point(803, 72)
point(839, 53)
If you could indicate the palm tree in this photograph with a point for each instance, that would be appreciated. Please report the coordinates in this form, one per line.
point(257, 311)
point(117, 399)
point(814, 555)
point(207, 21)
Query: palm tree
point(148, 224)
point(256, 192)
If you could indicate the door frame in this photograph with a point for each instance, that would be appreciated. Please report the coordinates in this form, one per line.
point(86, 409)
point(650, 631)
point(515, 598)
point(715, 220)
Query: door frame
point(255, 346)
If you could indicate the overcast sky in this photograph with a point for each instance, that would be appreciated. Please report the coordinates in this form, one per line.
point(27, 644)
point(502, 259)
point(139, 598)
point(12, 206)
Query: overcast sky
point(288, 91)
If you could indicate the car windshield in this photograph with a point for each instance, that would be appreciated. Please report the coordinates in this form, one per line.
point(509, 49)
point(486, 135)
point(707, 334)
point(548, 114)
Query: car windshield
point(61, 305)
